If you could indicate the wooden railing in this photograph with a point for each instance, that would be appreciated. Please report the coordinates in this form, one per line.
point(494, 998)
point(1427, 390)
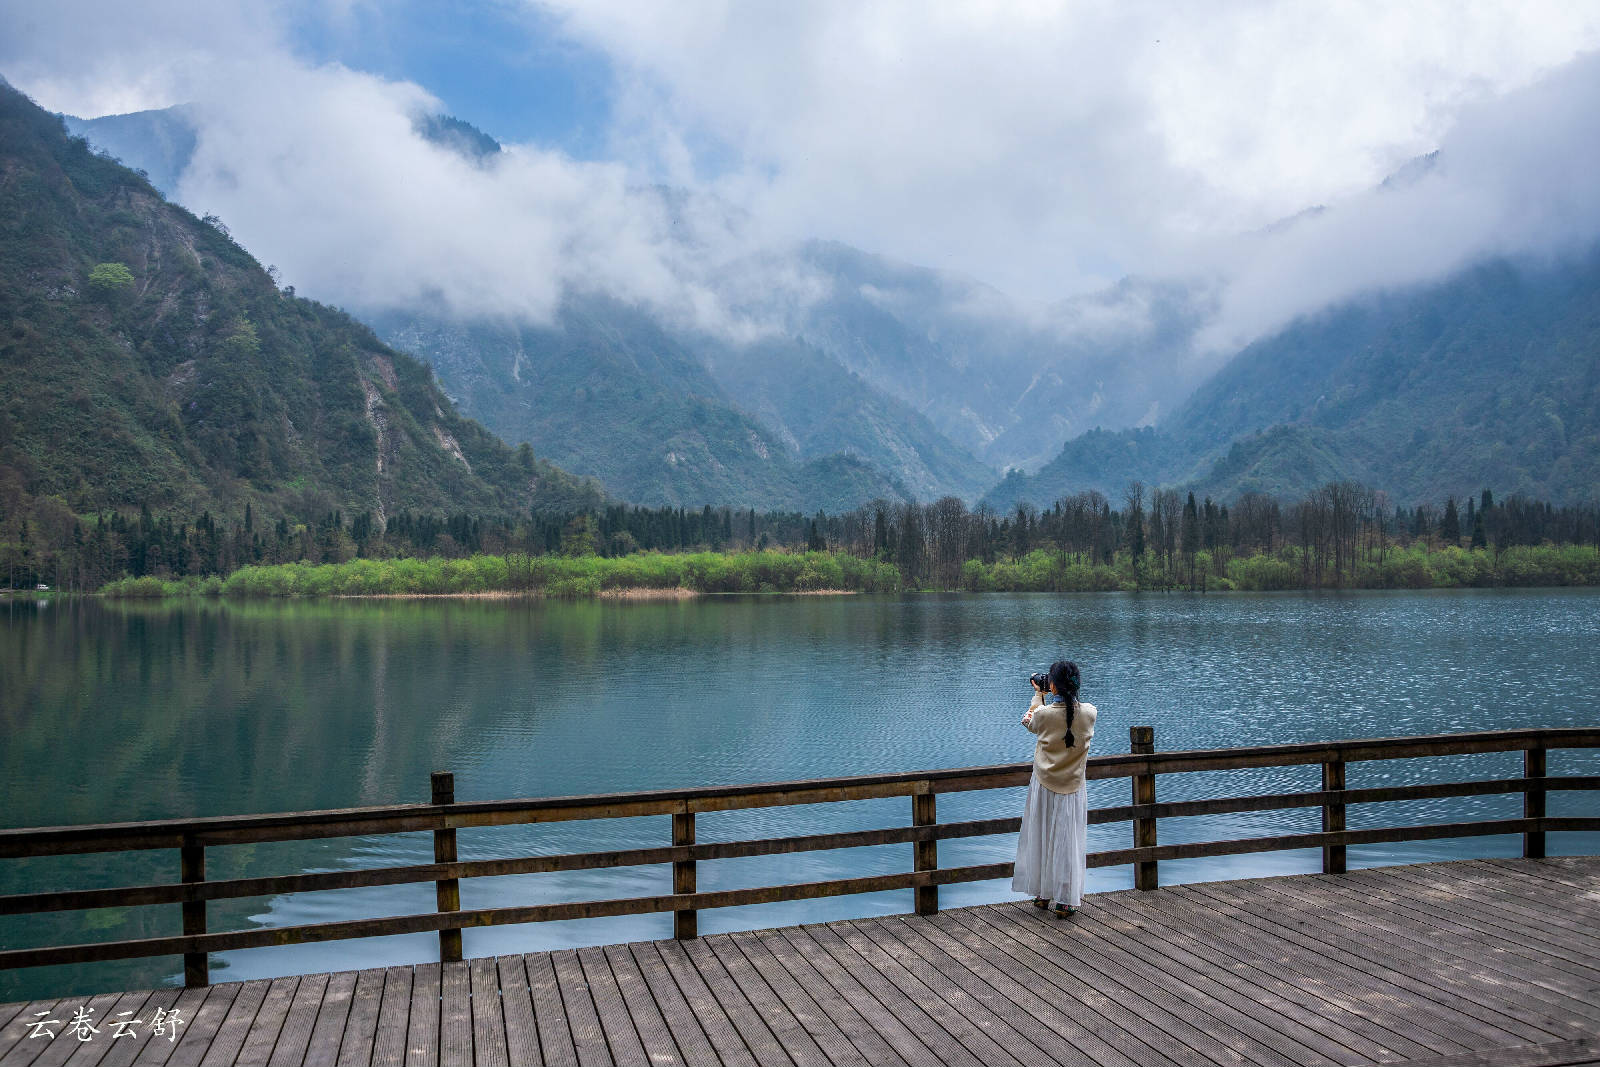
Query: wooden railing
point(1143, 765)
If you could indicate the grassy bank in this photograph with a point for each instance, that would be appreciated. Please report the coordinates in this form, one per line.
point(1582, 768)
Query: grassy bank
point(553, 576)
point(784, 572)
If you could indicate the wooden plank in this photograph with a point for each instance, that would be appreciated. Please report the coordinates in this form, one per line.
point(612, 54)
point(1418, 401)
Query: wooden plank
point(622, 1038)
point(361, 1024)
point(328, 1031)
point(229, 1040)
point(1561, 958)
point(704, 1008)
point(1578, 872)
point(1040, 962)
point(516, 1001)
point(1109, 973)
point(1071, 1000)
point(906, 1042)
point(941, 1026)
point(1076, 1042)
point(264, 1028)
point(455, 1014)
point(794, 977)
point(422, 1027)
point(207, 1022)
point(640, 1003)
point(1532, 902)
point(688, 1029)
point(488, 1015)
point(1578, 1053)
point(549, 1012)
point(1414, 929)
point(1276, 997)
point(97, 1010)
point(902, 938)
point(1322, 978)
point(186, 1008)
point(1138, 957)
point(758, 1037)
point(839, 1046)
point(976, 1021)
point(394, 1019)
point(97, 1053)
point(1426, 1009)
point(582, 1019)
point(1415, 925)
point(1442, 987)
point(796, 1037)
point(127, 1049)
point(21, 1025)
point(290, 1048)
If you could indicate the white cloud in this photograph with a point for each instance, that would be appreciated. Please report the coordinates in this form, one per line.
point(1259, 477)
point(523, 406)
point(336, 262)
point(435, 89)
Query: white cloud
point(1513, 177)
point(1046, 149)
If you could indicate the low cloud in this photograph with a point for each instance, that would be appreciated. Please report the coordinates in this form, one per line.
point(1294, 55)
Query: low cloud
point(1514, 177)
point(1043, 150)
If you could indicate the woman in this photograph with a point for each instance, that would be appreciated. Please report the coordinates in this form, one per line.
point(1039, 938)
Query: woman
point(1050, 851)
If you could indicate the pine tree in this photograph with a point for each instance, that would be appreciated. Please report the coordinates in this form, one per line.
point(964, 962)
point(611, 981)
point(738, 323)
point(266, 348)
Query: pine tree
point(1450, 525)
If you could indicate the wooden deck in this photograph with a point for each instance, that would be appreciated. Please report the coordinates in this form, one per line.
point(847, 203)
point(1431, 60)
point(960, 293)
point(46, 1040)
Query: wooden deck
point(1468, 962)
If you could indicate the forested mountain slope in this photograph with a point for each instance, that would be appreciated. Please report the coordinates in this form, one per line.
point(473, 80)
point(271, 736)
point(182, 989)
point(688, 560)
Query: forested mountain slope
point(148, 360)
point(1491, 377)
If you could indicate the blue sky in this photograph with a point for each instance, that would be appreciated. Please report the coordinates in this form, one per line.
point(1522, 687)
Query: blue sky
point(504, 67)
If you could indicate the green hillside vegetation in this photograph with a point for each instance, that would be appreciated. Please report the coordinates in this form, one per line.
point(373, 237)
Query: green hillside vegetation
point(819, 406)
point(149, 361)
point(607, 392)
point(1492, 376)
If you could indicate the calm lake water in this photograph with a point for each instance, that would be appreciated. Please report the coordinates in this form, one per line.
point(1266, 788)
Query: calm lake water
point(117, 712)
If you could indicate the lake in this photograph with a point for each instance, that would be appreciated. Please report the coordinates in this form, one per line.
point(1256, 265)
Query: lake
point(113, 712)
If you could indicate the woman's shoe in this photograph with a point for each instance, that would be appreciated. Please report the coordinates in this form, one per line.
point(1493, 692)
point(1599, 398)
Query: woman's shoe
point(1062, 911)
point(1041, 903)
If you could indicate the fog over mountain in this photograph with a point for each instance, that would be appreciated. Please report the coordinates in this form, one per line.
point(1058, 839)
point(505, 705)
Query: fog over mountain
point(765, 215)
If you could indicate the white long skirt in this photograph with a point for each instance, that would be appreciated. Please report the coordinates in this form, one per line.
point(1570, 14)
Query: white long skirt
point(1051, 848)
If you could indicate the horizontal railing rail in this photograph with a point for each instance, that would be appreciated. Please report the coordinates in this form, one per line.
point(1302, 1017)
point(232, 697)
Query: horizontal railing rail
point(444, 817)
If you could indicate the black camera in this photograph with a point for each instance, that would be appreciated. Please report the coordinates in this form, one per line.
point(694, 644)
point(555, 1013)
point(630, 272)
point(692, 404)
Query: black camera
point(1040, 679)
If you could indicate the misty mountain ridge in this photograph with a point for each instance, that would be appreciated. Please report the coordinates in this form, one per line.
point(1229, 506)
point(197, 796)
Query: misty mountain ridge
point(1491, 377)
point(149, 361)
point(934, 383)
point(933, 380)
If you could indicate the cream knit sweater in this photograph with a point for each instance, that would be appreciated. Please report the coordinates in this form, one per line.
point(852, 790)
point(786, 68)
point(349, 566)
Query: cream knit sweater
point(1059, 768)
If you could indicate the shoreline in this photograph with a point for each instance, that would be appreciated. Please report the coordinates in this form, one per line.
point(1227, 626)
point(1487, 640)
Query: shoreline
point(665, 593)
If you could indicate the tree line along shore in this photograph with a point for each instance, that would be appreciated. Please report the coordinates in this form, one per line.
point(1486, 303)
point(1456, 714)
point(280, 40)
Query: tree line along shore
point(1342, 536)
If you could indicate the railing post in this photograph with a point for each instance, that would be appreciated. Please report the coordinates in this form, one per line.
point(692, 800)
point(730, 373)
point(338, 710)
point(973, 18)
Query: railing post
point(685, 921)
point(926, 853)
point(1143, 743)
point(192, 860)
point(447, 891)
point(1533, 766)
point(1333, 856)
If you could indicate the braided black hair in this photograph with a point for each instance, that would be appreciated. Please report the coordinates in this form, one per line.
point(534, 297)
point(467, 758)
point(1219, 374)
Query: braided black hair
point(1064, 678)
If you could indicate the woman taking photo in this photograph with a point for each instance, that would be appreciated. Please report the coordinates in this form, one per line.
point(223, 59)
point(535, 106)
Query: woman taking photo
point(1050, 850)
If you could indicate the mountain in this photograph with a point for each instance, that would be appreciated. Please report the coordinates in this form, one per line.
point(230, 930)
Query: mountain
point(1491, 377)
point(933, 380)
point(147, 359)
point(606, 391)
point(1008, 385)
